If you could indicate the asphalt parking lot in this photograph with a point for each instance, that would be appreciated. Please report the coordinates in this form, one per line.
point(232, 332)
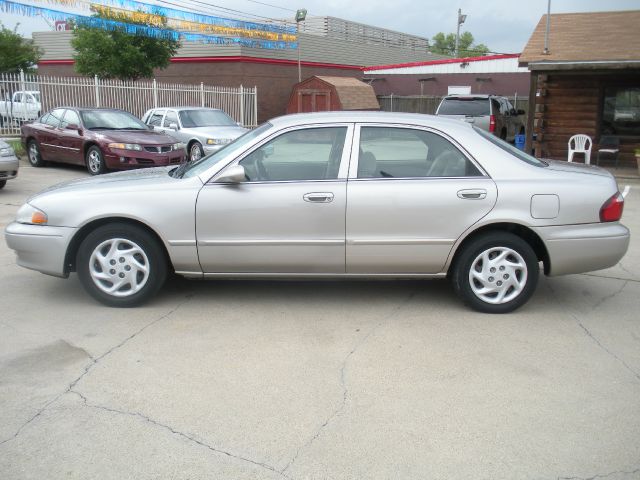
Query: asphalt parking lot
point(317, 380)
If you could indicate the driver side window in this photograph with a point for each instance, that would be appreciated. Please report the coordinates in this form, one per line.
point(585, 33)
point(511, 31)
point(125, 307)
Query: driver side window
point(299, 155)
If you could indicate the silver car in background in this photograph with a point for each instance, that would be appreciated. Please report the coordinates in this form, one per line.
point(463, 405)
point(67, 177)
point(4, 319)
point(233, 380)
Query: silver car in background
point(9, 163)
point(202, 130)
point(334, 194)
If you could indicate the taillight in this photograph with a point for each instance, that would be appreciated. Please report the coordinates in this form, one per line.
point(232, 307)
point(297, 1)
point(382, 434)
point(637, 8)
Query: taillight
point(611, 211)
point(492, 123)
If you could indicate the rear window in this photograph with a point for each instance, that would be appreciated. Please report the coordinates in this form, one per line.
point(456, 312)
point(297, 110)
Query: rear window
point(507, 147)
point(464, 106)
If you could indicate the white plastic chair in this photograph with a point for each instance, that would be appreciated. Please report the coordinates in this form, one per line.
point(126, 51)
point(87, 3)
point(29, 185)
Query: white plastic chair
point(580, 144)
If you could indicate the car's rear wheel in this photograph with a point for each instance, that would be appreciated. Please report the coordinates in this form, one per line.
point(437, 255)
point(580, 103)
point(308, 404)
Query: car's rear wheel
point(95, 161)
point(496, 272)
point(121, 265)
point(195, 152)
point(33, 152)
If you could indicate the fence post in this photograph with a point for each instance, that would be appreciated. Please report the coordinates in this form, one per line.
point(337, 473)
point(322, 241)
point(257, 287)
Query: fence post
point(255, 106)
point(97, 88)
point(155, 94)
point(202, 93)
point(242, 105)
point(391, 102)
point(22, 89)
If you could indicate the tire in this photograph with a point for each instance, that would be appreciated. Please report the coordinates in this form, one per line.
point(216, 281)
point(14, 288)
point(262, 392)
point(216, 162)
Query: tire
point(124, 255)
point(94, 160)
point(195, 152)
point(476, 278)
point(2, 184)
point(34, 155)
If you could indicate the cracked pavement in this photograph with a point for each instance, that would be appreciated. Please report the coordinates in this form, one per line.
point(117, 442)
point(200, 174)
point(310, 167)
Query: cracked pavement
point(317, 380)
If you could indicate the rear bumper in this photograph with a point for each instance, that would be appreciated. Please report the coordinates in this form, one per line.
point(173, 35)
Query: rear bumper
point(39, 247)
point(584, 248)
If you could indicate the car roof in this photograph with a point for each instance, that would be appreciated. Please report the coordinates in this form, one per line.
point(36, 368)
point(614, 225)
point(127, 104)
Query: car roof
point(479, 96)
point(184, 108)
point(370, 117)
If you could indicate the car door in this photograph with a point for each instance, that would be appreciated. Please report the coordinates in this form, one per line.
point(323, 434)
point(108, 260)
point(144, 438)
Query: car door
point(288, 217)
point(70, 139)
point(171, 120)
point(411, 194)
point(48, 138)
point(155, 119)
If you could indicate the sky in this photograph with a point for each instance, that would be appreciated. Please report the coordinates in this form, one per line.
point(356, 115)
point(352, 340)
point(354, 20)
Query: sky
point(503, 25)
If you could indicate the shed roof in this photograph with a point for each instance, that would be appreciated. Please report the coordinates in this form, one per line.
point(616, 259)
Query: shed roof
point(353, 94)
point(586, 37)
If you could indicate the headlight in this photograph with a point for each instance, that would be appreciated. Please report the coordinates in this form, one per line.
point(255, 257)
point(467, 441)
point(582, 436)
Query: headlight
point(6, 152)
point(178, 146)
point(218, 141)
point(126, 146)
point(31, 215)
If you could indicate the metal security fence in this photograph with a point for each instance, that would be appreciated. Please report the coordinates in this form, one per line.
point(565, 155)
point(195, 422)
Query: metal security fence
point(429, 104)
point(24, 97)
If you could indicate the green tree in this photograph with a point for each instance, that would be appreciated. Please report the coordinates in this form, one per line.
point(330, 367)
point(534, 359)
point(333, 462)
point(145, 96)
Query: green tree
point(16, 52)
point(446, 45)
point(118, 54)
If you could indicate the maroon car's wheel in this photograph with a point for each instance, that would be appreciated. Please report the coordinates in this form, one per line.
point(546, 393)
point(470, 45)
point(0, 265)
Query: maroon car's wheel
point(33, 152)
point(95, 161)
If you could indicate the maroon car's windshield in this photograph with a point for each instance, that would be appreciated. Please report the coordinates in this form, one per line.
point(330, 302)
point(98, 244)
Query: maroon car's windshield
point(110, 120)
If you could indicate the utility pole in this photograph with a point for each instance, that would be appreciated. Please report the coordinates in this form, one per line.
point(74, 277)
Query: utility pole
point(461, 19)
point(301, 16)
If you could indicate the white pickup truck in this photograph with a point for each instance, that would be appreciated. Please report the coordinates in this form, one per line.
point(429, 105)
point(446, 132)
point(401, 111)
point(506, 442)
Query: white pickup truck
point(20, 106)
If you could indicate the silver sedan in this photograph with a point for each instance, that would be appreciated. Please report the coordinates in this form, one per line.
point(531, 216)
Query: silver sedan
point(202, 130)
point(340, 194)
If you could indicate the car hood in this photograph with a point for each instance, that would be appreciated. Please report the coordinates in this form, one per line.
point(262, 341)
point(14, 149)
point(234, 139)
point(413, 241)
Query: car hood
point(216, 131)
point(562, 166)
point(117, 180)
point(143, 137)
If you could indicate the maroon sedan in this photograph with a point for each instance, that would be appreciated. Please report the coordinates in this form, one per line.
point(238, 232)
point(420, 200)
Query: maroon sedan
point(101, 139)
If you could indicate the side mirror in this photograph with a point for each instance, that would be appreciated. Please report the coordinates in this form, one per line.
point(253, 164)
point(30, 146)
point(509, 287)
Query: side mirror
point(173, 126)
point(520, 111)
point(234, 174)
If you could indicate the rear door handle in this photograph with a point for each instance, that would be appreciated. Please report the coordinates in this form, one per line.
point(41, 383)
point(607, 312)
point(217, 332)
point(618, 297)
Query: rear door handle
point(318, 197)
point(472, 194)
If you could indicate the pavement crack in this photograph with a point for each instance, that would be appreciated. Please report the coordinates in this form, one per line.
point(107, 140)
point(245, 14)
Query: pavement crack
point(592, 336)
point(343, 382)
point(611, 296)
point(602, 475)
point(94, 361)
point(609, 277)
point(183, 435)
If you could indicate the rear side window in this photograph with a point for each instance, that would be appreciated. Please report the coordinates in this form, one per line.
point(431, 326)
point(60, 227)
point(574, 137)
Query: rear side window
point(156, 118)
point(464, 106)
point(391, 152)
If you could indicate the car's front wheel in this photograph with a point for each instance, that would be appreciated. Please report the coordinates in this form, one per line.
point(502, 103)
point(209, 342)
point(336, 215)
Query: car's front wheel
point(33, 152)
point(95, 161)
point(496, 272)
point(195, 152)
point(121, 265)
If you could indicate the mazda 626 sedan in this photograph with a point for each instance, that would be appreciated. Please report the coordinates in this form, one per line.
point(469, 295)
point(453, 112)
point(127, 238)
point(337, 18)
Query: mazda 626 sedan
point(339, 194)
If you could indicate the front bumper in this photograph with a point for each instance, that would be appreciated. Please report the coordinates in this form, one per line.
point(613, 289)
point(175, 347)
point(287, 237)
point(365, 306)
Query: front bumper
point(9, 167)
point(125, 159)
point(584, 248)
point(40, 247)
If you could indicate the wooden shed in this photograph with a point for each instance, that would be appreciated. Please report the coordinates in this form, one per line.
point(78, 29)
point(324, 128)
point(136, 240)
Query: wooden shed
point(322, 94)
point(588, 82)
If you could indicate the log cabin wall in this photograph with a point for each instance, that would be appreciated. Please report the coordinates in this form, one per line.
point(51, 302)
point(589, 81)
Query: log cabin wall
point(568, 104)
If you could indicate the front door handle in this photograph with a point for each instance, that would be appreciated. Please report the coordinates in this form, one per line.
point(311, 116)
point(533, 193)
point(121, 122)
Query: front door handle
point(472, 194)
point(318, 197)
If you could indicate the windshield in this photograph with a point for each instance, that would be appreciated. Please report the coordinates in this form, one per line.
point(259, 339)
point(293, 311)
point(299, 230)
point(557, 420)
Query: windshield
point(464, 106)
point(232, 149)
point(111, 120)
point(205, 118)
point(507, 147)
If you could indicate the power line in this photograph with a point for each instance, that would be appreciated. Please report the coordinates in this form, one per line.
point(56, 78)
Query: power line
point(269, 5)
